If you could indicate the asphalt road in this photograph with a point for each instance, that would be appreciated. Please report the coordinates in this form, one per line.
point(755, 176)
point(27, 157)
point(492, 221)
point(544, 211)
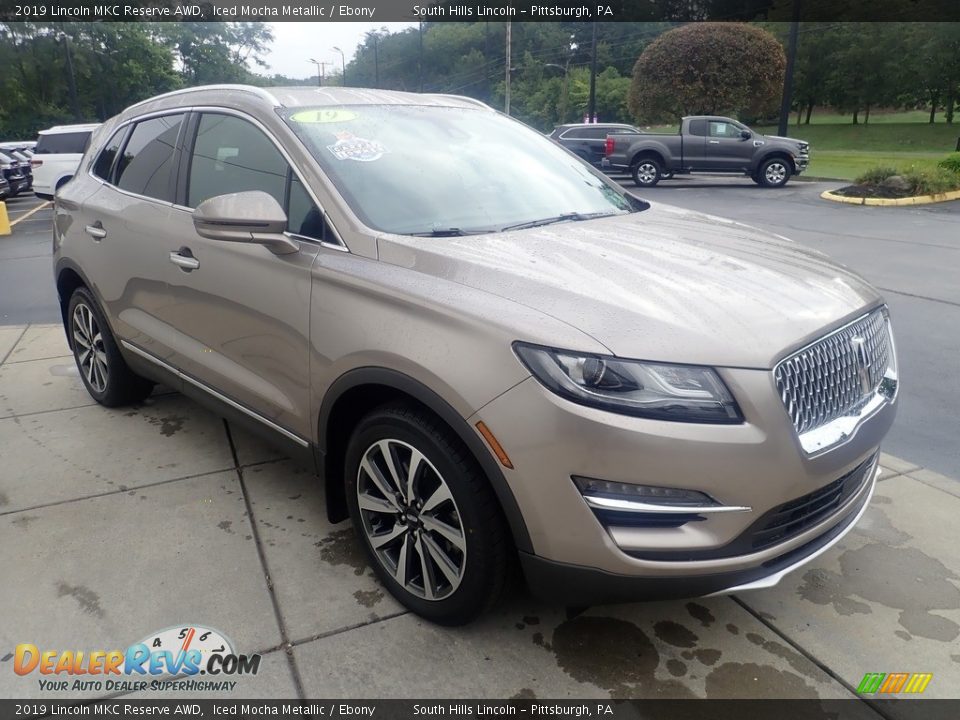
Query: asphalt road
point(912, 254)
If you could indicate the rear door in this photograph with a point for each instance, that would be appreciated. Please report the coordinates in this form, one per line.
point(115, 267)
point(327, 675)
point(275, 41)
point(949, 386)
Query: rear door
point(120, 231)
point(240, 316)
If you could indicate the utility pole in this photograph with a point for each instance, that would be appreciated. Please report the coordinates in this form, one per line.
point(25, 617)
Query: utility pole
point(71, 76)
point(343, 65)
point(506, 99)
point(321, 71)
point(420, 57)
point(786, 100)
point(376, 60)
point(592, 106)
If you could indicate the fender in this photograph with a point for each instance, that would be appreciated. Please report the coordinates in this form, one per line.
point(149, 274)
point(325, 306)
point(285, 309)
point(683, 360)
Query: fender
point(439, 406)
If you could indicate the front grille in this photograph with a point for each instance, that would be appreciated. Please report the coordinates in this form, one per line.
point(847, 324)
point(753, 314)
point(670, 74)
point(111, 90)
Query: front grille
point(824, 381)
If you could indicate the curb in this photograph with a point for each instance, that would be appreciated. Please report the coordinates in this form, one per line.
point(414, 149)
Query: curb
point(916, 200)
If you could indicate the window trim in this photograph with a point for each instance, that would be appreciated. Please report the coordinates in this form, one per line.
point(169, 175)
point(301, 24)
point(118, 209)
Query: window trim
point(126, 125)
point(187, 153)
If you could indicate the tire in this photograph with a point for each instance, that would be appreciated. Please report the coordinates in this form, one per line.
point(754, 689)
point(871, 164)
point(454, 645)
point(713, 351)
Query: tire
point(646, 172)
point(774, 173)
point(451, 519)
point(104, 372)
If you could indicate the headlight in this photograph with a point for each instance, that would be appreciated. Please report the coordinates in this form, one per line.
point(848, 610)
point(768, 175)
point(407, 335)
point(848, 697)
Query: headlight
point(684, 393)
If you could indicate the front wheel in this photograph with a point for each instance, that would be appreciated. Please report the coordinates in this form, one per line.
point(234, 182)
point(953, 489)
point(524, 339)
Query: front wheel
point(774, 173)
point(425, 513)
point(646, 172)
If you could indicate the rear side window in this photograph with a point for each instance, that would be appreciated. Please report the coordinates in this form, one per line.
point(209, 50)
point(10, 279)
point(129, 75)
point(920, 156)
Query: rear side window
point(698, 127)
point(104, 163)
point(144, 168)
point(231, 155)
point(63, 143)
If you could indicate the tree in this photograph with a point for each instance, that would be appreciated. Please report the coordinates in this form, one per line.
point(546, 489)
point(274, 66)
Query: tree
point(708, 68)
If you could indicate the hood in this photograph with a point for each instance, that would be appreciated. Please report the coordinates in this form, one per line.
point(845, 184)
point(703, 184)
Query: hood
point(663, 284)
point(786, 139)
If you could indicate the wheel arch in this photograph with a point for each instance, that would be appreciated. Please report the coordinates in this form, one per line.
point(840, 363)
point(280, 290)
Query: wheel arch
point(651, 154)
point(357, 392)
point(69, 277)
point(773, 154)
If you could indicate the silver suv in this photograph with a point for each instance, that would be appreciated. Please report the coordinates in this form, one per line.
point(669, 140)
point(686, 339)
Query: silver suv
point(489, 351)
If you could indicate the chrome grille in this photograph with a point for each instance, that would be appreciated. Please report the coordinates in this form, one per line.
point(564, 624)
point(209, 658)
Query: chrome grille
point(823, 381)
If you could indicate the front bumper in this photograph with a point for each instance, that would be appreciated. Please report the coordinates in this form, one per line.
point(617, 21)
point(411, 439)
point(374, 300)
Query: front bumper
point(801, 162)
point(758, 465)
point(577, 585)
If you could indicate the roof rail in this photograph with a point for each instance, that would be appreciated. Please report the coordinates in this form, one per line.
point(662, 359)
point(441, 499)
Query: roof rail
point(462, 98)
point(259, 91)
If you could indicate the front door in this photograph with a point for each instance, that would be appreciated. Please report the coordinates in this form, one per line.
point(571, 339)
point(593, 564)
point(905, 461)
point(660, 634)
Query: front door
point(726, 149)
point(240, 311)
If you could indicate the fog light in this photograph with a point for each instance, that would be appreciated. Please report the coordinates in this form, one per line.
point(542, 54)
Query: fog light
point(648, 494)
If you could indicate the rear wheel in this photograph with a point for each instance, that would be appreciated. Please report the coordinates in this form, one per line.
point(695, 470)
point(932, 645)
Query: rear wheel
point(102, 368)
point(646, 172)
point(774, 173)
point(426, 515)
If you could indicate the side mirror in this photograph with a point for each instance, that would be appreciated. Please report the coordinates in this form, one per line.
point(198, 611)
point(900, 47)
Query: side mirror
point(745, 134)
point(251, 217)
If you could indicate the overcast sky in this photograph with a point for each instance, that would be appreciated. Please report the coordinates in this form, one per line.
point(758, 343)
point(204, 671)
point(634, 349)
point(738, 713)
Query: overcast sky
point(295, 43)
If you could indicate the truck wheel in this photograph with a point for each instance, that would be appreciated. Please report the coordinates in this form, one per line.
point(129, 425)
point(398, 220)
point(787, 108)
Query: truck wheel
point(774, 173)
point(646, 173)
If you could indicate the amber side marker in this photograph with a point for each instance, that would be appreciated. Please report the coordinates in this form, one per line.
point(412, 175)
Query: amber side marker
point(494, 445)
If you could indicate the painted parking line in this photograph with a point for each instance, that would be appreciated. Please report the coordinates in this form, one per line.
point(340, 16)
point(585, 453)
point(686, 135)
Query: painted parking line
point(38, 208)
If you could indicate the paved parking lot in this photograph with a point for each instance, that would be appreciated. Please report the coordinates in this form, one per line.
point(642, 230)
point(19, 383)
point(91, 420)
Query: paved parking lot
point(117, 523)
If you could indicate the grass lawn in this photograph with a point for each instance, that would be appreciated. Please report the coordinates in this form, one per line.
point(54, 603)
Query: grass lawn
point(841, 165)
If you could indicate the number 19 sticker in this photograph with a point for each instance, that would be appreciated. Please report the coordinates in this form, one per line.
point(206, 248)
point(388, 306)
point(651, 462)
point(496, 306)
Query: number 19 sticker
point(323, 116)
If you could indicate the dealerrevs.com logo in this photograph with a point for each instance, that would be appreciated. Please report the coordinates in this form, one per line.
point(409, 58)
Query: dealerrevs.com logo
point(171, 659)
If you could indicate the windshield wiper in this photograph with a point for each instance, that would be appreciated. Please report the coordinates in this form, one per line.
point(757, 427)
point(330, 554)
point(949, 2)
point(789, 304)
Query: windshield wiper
point(448, 232)
point(566, 217)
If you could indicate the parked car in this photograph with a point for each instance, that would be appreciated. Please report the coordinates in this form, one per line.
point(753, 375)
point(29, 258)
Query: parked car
point(17, 174)
point(488, 351)
point(588, 140)
point(4, 188)
point(56, 156)
point(707, 144)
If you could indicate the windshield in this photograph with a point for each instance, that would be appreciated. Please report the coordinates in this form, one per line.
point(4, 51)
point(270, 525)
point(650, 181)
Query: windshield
point(446, 171)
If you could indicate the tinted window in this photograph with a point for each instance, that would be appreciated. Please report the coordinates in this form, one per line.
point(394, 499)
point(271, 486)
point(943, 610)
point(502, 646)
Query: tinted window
point(101, 168)
point(698, 127)
point(56, 143)
point(231, 155)
point(144, 168)
point(303, 216)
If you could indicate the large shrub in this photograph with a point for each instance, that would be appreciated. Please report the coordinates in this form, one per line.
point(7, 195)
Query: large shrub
point(705, 69)
point(951, 162)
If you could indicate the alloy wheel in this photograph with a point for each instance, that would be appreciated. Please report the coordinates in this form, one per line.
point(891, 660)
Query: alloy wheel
point(646, 173)
point(775, 173)
point(411, 520)
point(88, 346)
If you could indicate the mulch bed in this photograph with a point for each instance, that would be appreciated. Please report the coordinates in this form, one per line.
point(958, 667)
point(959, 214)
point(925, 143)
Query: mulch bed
point(871, 191)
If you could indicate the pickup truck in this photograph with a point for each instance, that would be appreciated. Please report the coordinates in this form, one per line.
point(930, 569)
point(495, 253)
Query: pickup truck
point(707, 144)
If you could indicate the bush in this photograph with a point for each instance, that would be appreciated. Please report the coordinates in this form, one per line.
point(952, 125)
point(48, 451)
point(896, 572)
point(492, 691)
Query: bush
point(875, 176)
point(951, 162)
point(931, 182)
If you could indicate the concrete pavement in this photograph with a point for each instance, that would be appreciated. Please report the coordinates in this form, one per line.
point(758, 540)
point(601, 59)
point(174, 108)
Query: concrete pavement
point(117, 523)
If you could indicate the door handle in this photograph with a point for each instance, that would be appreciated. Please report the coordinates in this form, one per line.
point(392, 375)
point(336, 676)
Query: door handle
point(96, 231)
point(185, 262)
point(713, 142)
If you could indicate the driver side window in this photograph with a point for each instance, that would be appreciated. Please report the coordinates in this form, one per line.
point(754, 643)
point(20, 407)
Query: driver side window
point(232, 155)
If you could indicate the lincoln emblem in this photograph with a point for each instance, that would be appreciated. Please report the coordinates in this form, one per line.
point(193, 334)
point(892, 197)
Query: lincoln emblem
point(862, 359)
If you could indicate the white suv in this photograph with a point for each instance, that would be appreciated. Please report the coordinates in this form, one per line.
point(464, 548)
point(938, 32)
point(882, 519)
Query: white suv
point(57, 156)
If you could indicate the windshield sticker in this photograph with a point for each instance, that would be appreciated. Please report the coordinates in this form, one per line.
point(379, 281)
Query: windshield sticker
point(350, 147)
point(323, 116)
